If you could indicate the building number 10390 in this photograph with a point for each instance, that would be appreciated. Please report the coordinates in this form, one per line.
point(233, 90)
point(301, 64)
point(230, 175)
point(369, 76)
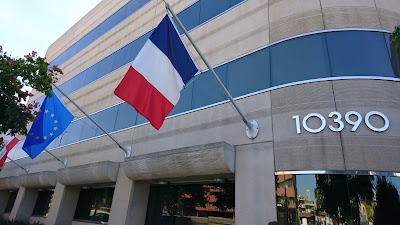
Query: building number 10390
point(351, 118)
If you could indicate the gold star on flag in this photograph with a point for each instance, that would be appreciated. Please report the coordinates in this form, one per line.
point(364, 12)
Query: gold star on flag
point(37, 137)
point(52, 115)
point(55, 128)
point(46, 111)
point(55, 121)
point(44, 137)
point(51, 134)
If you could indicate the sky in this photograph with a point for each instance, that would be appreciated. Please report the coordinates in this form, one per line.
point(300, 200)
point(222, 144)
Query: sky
point(28, 25)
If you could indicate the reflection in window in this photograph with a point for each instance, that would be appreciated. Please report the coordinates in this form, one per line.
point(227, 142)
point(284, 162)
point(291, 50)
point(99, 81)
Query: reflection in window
point(94, 204)
point(11, 200)
point(191, 204)
point(337, 199)
point(43, 201)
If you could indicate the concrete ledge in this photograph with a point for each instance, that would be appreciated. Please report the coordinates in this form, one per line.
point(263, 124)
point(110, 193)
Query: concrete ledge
point(39, 180)
point(9, 183)
point(94, 173)
point(196, 161)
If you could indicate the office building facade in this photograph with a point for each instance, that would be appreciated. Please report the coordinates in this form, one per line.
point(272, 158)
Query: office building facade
point(319, 76)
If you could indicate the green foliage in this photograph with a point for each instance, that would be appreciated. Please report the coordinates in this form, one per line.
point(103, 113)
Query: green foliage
point(388, 203)
point(395, 37)
point(333, 193)
point(16, 222)
point(15, 75)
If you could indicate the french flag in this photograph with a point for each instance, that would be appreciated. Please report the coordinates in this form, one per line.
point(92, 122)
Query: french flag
point(159, 72)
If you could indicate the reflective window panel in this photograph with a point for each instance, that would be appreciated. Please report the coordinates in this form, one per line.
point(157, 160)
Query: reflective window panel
point(43, 202)
point(191, 204)
point(336, 199)
point(94, 204)
point(11, 200)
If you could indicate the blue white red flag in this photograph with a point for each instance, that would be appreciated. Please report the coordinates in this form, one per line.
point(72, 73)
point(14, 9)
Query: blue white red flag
point(159, 72)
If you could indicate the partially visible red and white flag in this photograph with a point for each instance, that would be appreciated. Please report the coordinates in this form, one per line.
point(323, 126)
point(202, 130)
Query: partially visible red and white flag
point(5, 148)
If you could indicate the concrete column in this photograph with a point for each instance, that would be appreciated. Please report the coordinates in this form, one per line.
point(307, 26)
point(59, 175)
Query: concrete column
point(129, 201)
point(255, 195)
point(63, 205)
point(24, 204)
point(4, 196)
point(138, 204)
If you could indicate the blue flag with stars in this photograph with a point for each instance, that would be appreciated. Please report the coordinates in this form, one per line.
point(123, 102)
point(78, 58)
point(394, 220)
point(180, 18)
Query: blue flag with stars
point(53, 118)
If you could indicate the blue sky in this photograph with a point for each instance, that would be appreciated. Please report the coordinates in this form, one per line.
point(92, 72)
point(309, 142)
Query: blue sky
point(28, 25)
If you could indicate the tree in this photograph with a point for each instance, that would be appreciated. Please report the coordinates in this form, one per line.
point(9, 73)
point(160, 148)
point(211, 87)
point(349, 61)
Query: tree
point(395, 37)
point(15, 75)
point(388, 203)
point(395, 50)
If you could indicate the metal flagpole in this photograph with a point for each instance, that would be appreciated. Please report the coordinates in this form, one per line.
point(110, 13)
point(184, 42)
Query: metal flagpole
point(18, 164)
point(251, 125)
point(63, 161)
point(127, 150)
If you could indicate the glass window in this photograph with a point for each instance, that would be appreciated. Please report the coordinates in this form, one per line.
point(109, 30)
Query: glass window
point(249, 74)
point(299, 59)
point(191, 204)
point(126, 116)
point(330, 199)
point(206, 90)
point(94, 204)
point(43, 201)
point(211, 8)
point(358, 53)
point(107, 119)
point(87, 128)
point(185, 101)
point(11, 201)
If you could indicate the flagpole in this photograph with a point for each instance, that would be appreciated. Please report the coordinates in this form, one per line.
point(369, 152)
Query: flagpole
point(18, 164)
point(127, 150)
point(63, 161)
point(251, 126)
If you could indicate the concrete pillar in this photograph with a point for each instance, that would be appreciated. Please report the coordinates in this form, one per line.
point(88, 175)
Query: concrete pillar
point(4, 196)
point(138, 205)
point(63, 205)
point(24, 204)
point(255, 194)
point(129, 203)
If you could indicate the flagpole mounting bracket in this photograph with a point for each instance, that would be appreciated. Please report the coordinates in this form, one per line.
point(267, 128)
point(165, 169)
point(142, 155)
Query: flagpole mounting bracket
point(128, 151)
point(252, 129)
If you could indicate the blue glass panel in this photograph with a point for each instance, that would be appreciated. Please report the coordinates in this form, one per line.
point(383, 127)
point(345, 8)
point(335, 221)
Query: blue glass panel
point(189, 17)
point(88, 128)
point(234, 2)
point(206, 90)
point(101, 29)
point(299, 59)
point(105, 65)
point(211, 8)
point(126, 116)
point(140, 120)
point(249, 74)
point(107, 119)
point(70, 135)
point(359, 53)
point(185, 102)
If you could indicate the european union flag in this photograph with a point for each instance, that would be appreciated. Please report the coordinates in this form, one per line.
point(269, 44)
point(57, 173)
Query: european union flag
point(53, 118)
